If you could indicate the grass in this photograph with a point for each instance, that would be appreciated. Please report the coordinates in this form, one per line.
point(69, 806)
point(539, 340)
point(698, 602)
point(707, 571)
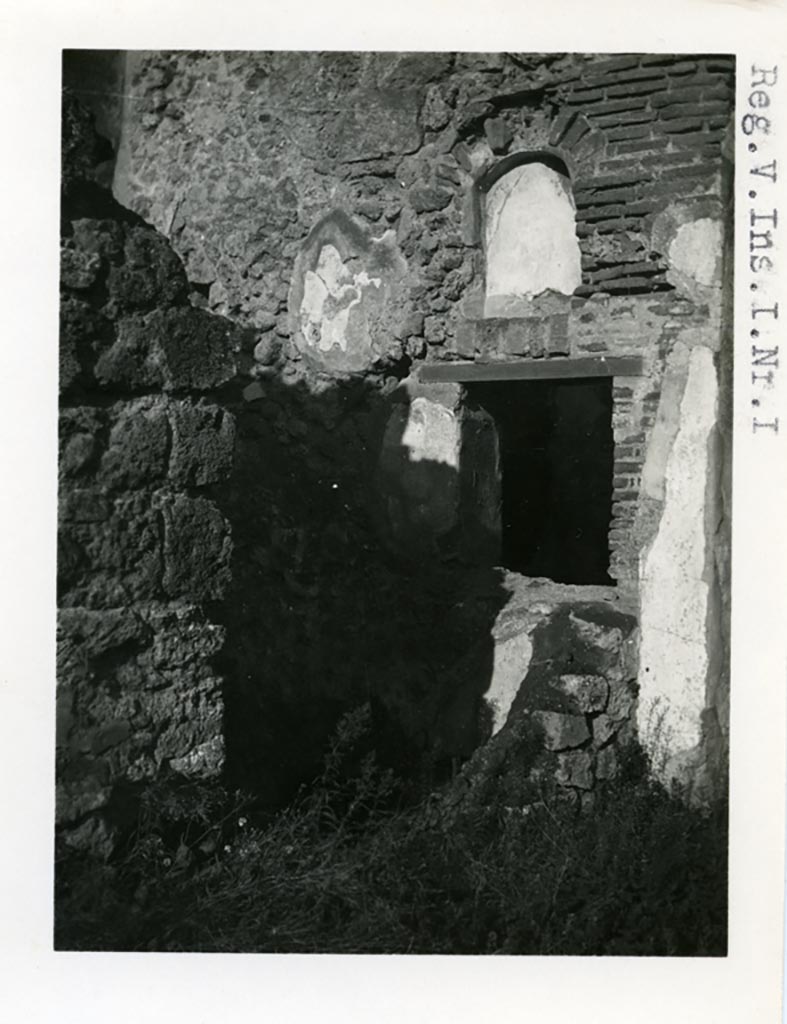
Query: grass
point(349, 868)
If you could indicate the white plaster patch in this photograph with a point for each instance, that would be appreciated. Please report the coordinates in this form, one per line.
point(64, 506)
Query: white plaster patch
point(674, 595)
point(509, 668)
point(654, 471)
point(481, 156)
point(531, 240)
point(432, 433)
point(695, 251)
point(329, 293)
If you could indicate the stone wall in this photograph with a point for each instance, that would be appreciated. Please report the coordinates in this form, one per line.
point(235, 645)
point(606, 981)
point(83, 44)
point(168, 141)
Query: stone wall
point(142, 548)
point(560, 703)
point(334, 207)
point(399, 142)
point(392, 166)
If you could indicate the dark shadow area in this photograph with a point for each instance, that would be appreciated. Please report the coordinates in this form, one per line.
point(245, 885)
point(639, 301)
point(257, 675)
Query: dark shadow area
point(556, 457)
point(97, 79)
point(328, 606)
point(328, 609)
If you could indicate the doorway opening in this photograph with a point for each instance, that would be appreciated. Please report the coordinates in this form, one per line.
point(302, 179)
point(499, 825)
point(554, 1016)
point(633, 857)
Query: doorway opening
point(556, 465)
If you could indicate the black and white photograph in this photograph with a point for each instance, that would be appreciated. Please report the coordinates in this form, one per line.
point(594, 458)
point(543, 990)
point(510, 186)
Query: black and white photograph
point(395, 477)
point(393, 558)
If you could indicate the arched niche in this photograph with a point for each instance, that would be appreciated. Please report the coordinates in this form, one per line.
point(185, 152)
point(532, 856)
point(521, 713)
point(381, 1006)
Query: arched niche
point(529, 234)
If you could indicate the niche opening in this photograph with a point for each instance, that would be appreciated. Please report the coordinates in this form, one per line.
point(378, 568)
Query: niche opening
point(530, 237)
point(556, 466)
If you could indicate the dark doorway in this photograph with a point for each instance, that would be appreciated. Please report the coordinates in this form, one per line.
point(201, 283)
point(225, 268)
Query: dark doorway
point(556, 460)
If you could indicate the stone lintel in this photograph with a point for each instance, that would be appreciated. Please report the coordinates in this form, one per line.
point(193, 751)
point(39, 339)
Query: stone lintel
point(532, 369)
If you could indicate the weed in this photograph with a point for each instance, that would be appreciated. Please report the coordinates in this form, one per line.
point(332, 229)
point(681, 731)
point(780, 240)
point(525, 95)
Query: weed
point(349, 868)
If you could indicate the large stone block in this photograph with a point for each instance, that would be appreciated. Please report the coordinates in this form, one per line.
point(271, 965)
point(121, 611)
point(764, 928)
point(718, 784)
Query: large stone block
point(93, 836)
point(607, 763)
point(201, 761)
point(604, 728)
point(84, 505)
point(138, 447)
point(69, 367)
point(102, 631)
point(110, 552)
point(182, 636)
point(580, 666)
point(589, 692)
point(185, 718)
point(83, 333)
point(498, 134)
point(172, 349)
point(203, 441)
point(78, 270)
point(404, 70)
point(428, 198)
point(101, 237)
point(134, 361)
point(149, 276)
point(575, 769)
point(510, 661)
point(107, 738)
point(109, 734)
point(79, 431)
point(379, 123)
point(562, 732)
point(83, 786)
point(622, 697)
point(197, 549)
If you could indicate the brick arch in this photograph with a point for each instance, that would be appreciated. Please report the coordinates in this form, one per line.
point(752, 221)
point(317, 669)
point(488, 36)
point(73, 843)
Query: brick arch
point(576, 141)
point(558, 233)
point(573, 147)
point(553, 156)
